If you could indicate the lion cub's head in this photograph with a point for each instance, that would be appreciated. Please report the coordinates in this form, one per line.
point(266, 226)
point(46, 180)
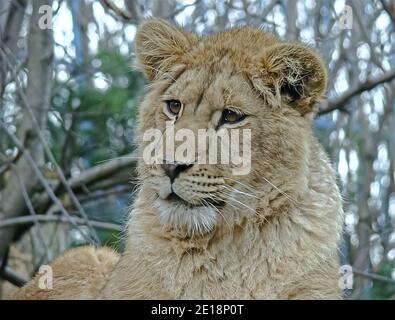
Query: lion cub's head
point(242, 79)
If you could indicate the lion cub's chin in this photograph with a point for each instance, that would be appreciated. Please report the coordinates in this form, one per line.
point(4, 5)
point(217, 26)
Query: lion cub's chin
point(195, 220)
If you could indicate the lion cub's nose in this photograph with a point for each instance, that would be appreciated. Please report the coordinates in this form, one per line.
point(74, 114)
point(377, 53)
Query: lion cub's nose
point(172, 170)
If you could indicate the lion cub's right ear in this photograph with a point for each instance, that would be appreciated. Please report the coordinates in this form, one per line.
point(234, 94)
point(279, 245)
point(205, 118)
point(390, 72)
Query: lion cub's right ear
point(160, 45)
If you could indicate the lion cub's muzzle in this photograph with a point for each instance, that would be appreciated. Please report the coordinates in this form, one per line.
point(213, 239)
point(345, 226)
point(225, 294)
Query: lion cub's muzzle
point(190, 185)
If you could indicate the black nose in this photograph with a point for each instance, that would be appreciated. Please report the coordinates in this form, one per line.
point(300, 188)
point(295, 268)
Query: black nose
point(172, 170)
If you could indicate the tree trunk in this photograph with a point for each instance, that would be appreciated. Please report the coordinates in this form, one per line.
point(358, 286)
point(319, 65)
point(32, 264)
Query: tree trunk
point(11, 19)
point(291, 9)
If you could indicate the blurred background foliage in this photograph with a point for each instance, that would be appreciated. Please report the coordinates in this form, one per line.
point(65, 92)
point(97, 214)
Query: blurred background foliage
point(96, 123)
point(78, 82)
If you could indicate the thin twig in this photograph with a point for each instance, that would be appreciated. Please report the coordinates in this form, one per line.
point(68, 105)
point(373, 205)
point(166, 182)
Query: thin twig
point(31, 210)
point(58, 218)
point(124, 13)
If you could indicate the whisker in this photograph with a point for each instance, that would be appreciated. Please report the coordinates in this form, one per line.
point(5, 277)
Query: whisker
point(240, 192)
point(216, 210)
point(282, 192)
point(229, 196)
point(237, 201)
point(260, 192)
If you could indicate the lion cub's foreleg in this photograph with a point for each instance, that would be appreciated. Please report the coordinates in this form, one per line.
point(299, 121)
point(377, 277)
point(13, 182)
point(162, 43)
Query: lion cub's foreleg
point(77, 274)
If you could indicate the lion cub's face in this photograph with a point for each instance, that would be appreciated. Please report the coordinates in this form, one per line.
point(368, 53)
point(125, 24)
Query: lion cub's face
point(238, 84)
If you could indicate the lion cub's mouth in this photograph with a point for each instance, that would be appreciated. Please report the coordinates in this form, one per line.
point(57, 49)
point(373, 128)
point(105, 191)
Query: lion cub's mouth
point(174, 198)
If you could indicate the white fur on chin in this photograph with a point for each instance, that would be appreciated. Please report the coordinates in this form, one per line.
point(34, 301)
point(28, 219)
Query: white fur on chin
point(196, 220)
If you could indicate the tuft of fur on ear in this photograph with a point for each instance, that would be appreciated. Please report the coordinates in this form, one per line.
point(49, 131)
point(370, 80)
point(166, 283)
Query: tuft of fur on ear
point(160, 45)
point(294, 74)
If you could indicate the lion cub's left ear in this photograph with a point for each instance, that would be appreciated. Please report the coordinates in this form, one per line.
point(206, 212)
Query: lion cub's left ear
point(294, 74)
point(160, 45)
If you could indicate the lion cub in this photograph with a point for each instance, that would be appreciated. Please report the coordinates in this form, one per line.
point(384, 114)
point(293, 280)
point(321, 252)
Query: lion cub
point(198, 231)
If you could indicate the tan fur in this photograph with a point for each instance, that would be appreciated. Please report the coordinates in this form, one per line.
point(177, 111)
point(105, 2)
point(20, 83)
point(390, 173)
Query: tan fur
point(77, 274)
point(277, 235)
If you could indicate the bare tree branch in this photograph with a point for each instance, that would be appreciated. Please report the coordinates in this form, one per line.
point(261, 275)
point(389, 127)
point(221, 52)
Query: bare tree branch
point(102, 171)
point(130, 14)
point(91, 176)
point(54, 218)
point(13, 277)
point(373, 276)
point(340, 102)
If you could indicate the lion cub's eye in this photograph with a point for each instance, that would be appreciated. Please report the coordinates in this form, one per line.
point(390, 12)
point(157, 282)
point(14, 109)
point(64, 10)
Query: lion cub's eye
point(174, 107)
point(230, 116)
